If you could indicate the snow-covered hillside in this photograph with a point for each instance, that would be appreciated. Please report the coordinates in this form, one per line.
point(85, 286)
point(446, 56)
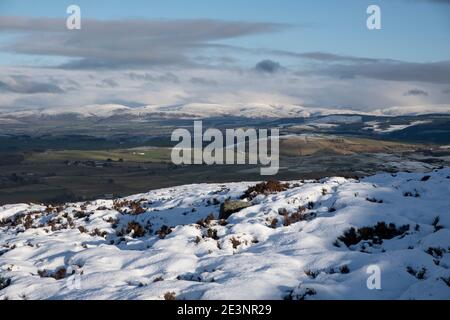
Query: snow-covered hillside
point(208, 110)
point(293, 241)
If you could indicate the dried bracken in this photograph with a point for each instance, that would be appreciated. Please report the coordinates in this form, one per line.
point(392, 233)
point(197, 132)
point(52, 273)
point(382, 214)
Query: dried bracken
point(376, 234)
point(265, 188)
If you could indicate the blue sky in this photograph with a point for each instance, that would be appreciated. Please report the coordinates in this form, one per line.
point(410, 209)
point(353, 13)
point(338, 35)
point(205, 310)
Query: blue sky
point(217, 51)
point(413, 30)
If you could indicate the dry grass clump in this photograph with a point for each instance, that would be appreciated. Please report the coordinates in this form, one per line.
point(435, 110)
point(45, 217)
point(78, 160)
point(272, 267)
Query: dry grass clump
point(170, 296)
point(206, 221)
point(59, 274)
point(265, 188)
point(235, 243)
point(164, 231)
point(419, 274)
point(376, 234)
point(4, 282)
point(135, 229)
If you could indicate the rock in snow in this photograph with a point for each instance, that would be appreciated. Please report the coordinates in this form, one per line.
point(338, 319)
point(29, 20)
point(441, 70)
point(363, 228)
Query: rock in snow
point(229, 207)
point(314, 240)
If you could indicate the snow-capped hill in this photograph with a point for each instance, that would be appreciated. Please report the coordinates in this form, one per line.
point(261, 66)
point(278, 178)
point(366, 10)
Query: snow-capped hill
point(413, 110)
point(295, 240)
point(190, 110)
point(209, 110)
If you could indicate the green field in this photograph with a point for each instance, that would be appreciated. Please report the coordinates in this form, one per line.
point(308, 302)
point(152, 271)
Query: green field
point(134, 155)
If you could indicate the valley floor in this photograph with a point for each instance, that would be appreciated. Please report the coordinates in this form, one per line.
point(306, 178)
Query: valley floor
point(312, 239)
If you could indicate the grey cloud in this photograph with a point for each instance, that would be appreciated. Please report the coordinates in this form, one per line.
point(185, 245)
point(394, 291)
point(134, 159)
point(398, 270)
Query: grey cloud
point(166, 77)
point(203, 81)
point(124, 102)
point(267, 66)
point(349, 67)
point(124, 43)
point(111, 83)
point(416, 92)
point(323, 56)
point(446, 91)
point(384, 69)
point(23, 86)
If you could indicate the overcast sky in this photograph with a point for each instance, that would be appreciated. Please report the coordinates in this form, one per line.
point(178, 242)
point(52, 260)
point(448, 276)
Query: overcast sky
point(312, 53)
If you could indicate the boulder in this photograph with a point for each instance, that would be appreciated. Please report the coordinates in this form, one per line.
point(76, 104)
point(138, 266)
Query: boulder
point(232, 206)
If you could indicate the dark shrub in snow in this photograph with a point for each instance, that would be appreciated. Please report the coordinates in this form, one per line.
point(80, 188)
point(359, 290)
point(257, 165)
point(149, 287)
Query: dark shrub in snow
point(300, 293)
point(135, 229)
point(169, 296)
point(436, 252)
point(164, 231)
point(420, 274)
point(293, 218)
point(212, 233)
point(376, 233)
point(344, 269)
point(4, 282)
point(206, 221)
point(57, 275)
point(271, 186)
point(446, 280)
point(235, 242)
point(436, 225)
point(374, 200)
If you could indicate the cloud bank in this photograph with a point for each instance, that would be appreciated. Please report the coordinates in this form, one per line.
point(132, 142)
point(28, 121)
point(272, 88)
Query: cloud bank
point(169, 62)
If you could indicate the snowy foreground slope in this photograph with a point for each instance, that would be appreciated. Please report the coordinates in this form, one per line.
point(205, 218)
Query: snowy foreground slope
point(291, 244)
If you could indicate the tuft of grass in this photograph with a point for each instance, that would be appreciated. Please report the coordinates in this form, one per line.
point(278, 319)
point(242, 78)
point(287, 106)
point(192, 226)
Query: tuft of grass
point(446, 281)
point(136, 208)
point(265, 188)
point(4, 282)
point(273, 223)
point(436, 224)
point(376, 233)
point(212, 233)
point(82, 229)
point(311, 274)
point(206, 221)
point(170, 296)
point(59, 274)
point(419, 274)
point(235, 243)
point(374, 200)
point(293, 218)
point(414, 194)
point(136, 230)
point(435, 252)
point(164, 231)
point(302, 295)
point(344, 269)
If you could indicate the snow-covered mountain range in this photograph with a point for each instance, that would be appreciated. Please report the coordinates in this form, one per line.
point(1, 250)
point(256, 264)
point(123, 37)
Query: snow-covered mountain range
point(204, 110)
point(295, 240)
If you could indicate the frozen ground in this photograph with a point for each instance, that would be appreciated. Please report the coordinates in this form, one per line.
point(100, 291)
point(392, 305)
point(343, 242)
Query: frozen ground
point(287, 244)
